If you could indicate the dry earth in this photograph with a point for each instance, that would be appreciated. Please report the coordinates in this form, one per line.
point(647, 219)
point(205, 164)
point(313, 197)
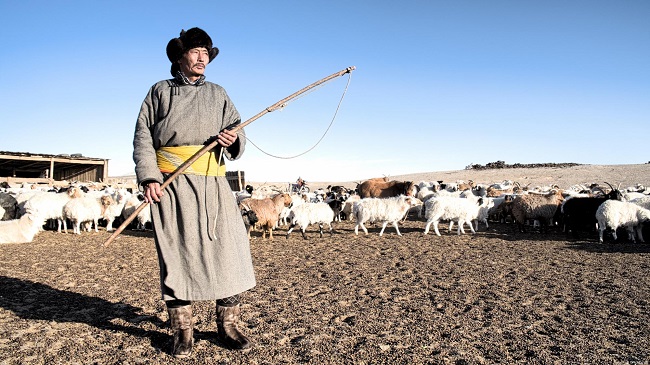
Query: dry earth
point(498, 296)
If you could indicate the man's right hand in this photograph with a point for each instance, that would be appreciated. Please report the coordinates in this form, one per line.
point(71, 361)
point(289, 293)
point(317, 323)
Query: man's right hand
point(152, 193)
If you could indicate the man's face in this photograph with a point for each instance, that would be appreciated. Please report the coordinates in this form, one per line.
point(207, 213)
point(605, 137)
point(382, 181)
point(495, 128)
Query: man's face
point(194, 61)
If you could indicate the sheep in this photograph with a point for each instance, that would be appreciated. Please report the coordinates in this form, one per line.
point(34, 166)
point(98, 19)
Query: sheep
point(642, 202)
point(114, 211)
point(267, 210)
point(541, 207)
point(50, 205)
point(462, 210)
point(86, 209)
point(615, 214)
point(346, 212)
point(311, 213)
point(379, 189)
point(384, 210)
point(21, 230)
point(507, 187)
point(131, 204)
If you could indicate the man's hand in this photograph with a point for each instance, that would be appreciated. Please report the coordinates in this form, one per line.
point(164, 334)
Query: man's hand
point(152, 193)
point(227, 137)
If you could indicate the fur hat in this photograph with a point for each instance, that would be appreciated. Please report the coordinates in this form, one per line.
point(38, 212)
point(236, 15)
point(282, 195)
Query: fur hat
point(192, 38)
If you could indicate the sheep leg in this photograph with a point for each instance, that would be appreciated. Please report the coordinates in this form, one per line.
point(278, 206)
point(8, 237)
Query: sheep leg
point(77, 227)
point(435, 227)
point(426, 228)
point(290, 229)
point(356, 228)
point(460, 230)
point(639, 233)
point(630, 234)
point(601, 231)
point(383, 226)
point(396, 228)
point(304, 235)
point(320, 229)
point(451, 225)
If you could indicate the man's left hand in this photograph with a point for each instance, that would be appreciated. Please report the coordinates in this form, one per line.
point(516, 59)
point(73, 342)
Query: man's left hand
point(227, 137)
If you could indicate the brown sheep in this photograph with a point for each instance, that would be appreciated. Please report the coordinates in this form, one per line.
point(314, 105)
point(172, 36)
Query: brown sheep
point(380, 189)
point(267, 210)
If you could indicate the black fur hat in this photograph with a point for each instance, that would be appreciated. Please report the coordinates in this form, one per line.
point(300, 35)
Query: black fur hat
point(192, 38)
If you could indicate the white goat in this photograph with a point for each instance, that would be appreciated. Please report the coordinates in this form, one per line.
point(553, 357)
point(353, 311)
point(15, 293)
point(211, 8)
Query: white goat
point(614, 214)
point(311, 213)
point(384, 210)
point(20, 230)
point(462, 210)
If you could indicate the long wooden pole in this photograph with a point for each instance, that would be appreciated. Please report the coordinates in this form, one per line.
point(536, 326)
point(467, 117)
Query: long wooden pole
point(214, 144)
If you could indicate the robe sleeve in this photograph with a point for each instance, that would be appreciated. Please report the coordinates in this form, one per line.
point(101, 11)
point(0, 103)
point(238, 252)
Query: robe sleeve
point(231, 116)
point(144, 152)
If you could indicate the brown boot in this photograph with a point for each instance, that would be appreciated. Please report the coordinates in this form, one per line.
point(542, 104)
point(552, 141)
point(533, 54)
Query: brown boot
point(182, 325)
point(229, 334)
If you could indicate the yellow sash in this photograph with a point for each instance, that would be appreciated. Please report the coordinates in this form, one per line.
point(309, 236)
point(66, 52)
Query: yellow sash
point(170, 158)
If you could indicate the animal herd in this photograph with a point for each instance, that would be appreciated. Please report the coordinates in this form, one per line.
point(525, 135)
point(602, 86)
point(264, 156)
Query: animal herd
point(576, 210)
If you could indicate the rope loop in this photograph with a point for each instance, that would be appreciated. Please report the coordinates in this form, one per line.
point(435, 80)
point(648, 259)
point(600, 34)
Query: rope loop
point(324, 134)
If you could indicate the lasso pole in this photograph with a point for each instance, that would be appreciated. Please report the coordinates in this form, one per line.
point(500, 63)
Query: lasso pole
point(214, 144)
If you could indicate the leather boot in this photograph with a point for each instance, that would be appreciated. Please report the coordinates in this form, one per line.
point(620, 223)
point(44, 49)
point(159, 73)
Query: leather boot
point(180, 319)
point(229, 334)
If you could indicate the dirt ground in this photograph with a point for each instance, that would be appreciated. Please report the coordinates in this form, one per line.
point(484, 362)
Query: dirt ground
point(498, 296)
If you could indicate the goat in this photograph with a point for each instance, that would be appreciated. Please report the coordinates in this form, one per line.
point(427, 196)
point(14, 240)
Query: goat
point(311, 213)
point(460, 209)
point(9, 205)
point(579, 213)
point(267, 210)
point(382, 189)
point(384, 210)
point(615, 214)
point(541, 207)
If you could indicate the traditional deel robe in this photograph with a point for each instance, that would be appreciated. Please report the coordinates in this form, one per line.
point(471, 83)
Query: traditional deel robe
point(203, 248)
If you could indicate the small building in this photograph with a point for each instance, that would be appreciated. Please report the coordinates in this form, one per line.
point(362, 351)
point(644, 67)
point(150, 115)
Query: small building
point(33, 168)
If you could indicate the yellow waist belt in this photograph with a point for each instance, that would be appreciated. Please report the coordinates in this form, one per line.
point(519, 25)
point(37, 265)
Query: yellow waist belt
point(170, 158)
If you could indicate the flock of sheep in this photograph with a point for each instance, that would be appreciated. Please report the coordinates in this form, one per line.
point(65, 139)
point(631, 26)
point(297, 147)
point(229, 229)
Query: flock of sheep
point(26, 210)
point(576, 209)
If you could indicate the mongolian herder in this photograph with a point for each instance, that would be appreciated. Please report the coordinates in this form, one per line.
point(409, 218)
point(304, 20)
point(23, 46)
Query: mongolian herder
point(203, 249)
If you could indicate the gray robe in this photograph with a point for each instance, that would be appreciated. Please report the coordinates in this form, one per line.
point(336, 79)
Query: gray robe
point(202, 244)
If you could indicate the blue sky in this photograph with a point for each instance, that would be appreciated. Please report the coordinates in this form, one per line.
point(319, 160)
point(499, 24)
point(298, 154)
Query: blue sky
point(439, 85)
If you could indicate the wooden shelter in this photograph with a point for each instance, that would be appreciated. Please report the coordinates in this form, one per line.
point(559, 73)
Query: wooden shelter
point(20, 167)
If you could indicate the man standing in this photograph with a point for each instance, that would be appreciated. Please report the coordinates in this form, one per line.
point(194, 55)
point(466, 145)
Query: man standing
point(202, 244)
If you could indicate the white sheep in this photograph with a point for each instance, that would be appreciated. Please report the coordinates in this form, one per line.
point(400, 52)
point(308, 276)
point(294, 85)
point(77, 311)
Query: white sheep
point(384, 210)
point(615, 214)
point(49, 205)
point(86, 209)
point(463, 210)
point(311, 213)
point(131, 204)
point(21, 230)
